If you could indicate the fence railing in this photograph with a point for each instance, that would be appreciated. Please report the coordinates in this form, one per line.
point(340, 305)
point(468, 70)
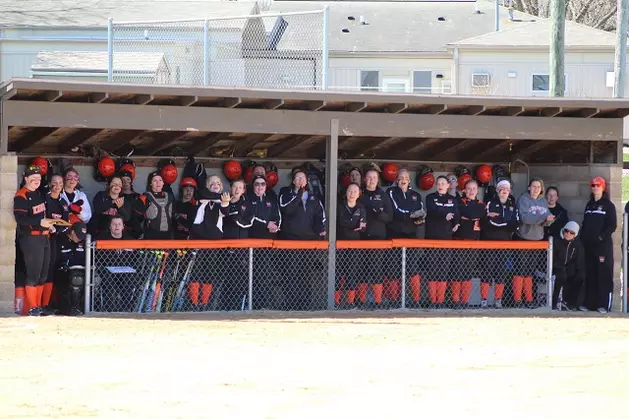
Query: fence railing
point(282, 50)
point(625, 264)
point(227, 275)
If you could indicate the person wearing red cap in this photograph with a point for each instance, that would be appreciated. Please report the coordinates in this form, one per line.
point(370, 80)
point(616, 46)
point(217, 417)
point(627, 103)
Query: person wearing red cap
point(599, 223)
point(156, 208)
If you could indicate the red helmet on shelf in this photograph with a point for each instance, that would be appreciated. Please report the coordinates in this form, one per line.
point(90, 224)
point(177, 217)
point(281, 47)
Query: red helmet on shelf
point(425, 178)
point(484, 174)
point(232, 170)
point(389, 172)
point(188, 181)
point(106, 167)
point(128, 168)
point(272, 178)
point(42, 163)
point(345, 180)
point(463, 179)
point(249, 174)
point(169, 173)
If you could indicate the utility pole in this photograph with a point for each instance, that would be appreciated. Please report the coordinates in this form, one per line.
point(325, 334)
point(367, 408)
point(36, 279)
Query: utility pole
point(497, 16)
point(557, 46)
point(620, 61)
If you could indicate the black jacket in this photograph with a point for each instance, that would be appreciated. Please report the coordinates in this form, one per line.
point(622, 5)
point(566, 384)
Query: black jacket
point(438, 206)
point(561, 219)
point(379, 214)
point(505, 224)
point(134, 226)
point(103, 208)
point(403, 205)
point(183, 216)
point(472, 219)
point(599, 223)
point(569, 259)
point(209, 220)
point(265, 210)
point(301, 220)
point(349, 219)
point(71, 253)
point(239, 219)
point(29, 208)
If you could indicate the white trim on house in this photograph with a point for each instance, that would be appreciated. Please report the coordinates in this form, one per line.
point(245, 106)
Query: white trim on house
point(396, 80)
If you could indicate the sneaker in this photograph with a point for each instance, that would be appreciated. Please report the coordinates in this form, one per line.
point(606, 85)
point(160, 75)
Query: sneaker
point(35, 311)
point(498, 303)
point(76, 312)
point(46, 311)
point(564, 307)
point(583, 308)
point(483, 304)
point(602, 310)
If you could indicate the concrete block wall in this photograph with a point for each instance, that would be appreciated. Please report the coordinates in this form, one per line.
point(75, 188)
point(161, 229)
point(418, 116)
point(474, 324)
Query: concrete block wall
point(573, 183)
point(8, 182)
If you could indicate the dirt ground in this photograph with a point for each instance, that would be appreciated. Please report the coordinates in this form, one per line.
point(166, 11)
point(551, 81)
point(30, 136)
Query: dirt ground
point(314, 366)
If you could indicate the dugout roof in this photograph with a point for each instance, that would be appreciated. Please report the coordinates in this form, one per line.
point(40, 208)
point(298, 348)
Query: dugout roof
point(63, 118)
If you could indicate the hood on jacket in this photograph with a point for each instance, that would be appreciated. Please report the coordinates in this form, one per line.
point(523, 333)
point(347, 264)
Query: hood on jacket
point(572, 226)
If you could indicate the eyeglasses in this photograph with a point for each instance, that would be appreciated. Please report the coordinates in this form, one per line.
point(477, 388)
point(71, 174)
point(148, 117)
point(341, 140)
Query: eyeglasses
point(595, 185)
point(570, 232)
point(452, 180)
point(259, 184)
point(72, 177)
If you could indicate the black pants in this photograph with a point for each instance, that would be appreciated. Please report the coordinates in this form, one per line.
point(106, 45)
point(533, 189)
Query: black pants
point(235, 287)
point(349, 267)
point(54, 259)
point(569, 288)
point(266, 287)
point(36, 256)
point(599, 272)
point(304, 284)
point(20, 267)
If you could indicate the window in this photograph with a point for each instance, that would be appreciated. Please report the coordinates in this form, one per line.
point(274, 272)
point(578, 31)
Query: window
point(395, 85)
point(422, 81)
point(541, 82)
point(369, 80)
point(481, 80)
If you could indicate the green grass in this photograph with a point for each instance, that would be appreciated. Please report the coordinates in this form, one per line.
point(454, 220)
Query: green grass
point(625, 188)
point(625, 157)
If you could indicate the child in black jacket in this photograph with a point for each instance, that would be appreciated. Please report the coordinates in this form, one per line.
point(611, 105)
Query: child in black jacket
point(568, 268)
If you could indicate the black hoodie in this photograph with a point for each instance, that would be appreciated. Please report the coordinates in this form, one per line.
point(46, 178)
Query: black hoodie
point(561, 218)
point(599, 222)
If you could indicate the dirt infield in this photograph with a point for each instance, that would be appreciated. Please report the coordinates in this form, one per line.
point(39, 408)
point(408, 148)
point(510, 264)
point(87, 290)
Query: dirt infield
point(314, 366)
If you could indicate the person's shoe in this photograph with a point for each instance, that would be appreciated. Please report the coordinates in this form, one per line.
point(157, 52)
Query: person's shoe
point(75, 312)
point(498, 303)
point(47, 311)
point(35, 312)
point(564, 307)
point(602, 310)
point(483, 304)
point(583, 308)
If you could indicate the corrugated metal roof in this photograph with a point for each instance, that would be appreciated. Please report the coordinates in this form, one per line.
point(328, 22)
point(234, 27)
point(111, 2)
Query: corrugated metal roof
point(91, 61)
point(94, 13)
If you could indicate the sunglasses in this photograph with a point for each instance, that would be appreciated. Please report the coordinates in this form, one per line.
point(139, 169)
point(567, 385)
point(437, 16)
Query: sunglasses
point(259, 184)
point(72, 177)
point(595, 185)
point(570, 232)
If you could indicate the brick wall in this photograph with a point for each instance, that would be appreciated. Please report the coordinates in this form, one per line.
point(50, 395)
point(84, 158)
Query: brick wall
point(8, 186)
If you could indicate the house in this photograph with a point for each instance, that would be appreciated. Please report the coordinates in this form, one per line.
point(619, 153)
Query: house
point(514, 61)
point(133, 67)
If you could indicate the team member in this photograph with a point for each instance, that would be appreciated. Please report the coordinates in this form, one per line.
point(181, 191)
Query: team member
point(156, 209)
point(185, 208)
point(108, 203)
point(56, 209)
point(453, 186)
point(599, 223)
point(260, 170)
point(568, 267)
point(72, 194)
point(502, 221)
point(351, 221)
point(472, 212)
point(379, 213)
point(208, 225)
point(116, 230)
point(71, 269)
point(240, 216)
point(534, 215)
point(560, 213)
point(134, 225)
point(408, 216)
point(442, 220)
point(33, 228)
point(266, 224)
point(303, 218)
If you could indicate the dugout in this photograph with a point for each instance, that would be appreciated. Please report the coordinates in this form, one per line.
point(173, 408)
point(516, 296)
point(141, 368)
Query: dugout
point(564, 141)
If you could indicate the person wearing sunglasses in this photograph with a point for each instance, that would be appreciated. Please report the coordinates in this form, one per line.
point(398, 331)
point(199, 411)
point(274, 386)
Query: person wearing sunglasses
point(599, 223)
point(568, 268)
point(74, 197)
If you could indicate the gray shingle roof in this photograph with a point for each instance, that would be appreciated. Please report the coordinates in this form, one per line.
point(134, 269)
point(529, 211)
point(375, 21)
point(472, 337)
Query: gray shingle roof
point(400, 26)
point(94, 13)
point(143, 62)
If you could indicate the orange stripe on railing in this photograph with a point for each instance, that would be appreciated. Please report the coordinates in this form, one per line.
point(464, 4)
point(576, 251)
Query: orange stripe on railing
point(183, 244)
point(470, 244)
point(364, 244)
point(300, 244)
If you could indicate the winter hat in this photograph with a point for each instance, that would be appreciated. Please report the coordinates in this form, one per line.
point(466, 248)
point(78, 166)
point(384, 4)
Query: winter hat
point(256, 177)
point(572, 226)
point(32, 170)
point(503, 184)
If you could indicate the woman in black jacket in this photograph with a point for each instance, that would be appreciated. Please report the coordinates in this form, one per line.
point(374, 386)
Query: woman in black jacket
point(351, 221)
point(568, 268)
point(560, 213)
point(107, 204)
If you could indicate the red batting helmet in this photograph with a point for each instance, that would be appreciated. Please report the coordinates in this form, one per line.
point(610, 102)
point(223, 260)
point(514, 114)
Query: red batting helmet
point(232, 170)
point(106, 167)
point(425, 178)
point(188, 181)
point(42, 163)
point(463, 179)
point(169, 173)
point(389, 172)
point(484, 174)
point(272, 178)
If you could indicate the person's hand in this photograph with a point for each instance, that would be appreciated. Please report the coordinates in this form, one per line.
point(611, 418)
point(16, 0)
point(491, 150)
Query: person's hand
point(361, 226)
point(46, 222)
point(550, 218)
point(322, 234)
point(119, 202)
point(456, 227)
point(492, 214)
point(225, 197)
point(449, 216)
point(464, 218)
point(52, 229)
point(272, 227)
point(420, 213)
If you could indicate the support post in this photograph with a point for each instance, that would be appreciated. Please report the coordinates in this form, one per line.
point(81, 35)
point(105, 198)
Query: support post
point(497, 16)
point(110, 49)
point(331, 164)
point(403, 285)
point(620, 61)
point(557, 44)
point(625, 274)
point(325, 48)
point(250, 278)
point(206, 53)
point(549, 273)
point(4, 131)
point(88, 274)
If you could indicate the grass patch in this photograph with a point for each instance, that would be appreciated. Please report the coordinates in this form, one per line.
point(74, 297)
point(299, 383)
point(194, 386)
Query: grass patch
point(625, 157)
point(625, 189)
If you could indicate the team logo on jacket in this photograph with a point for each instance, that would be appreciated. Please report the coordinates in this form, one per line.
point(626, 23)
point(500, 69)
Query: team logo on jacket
point(39, 208)
point(377, 196)
point(312, 198)
point(56, 216)
point(600, 208)
point(244, 207)
point(414, 198)
point(449, 201)
point(268, 204)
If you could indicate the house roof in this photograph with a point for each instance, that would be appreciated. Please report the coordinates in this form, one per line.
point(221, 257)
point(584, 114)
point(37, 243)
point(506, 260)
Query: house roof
point(90, 61)
point(94, 13)
point(392, 26)
point(537, 34)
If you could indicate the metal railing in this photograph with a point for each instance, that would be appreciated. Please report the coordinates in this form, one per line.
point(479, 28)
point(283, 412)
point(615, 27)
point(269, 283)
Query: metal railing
point(625, 264)
point(227, 275)
point(280, 51)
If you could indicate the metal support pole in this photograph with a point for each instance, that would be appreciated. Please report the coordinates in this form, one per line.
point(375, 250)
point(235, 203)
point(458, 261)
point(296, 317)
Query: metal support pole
point(326, 47)
point(4, 132)
point(620, 59)
point(250, 278)
point(88, 274)
point(625, 274)
point(206, 53)
point(110, 49)
point(331, 165)
point(557, 43)
point(497, 17)
point(403, 278)
point(549, 272)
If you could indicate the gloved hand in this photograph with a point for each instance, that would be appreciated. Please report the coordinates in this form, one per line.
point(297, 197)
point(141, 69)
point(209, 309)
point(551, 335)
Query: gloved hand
point(151, 212)
point(76, 207)
point(378, 210)
point(418, 214)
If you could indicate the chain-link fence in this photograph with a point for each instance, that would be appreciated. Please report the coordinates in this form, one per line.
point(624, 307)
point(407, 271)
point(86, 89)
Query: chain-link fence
point(187, 276)
point(286, 50)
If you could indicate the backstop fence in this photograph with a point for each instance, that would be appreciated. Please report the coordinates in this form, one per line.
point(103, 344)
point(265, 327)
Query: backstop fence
point(230, 275)
point(279, 51)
